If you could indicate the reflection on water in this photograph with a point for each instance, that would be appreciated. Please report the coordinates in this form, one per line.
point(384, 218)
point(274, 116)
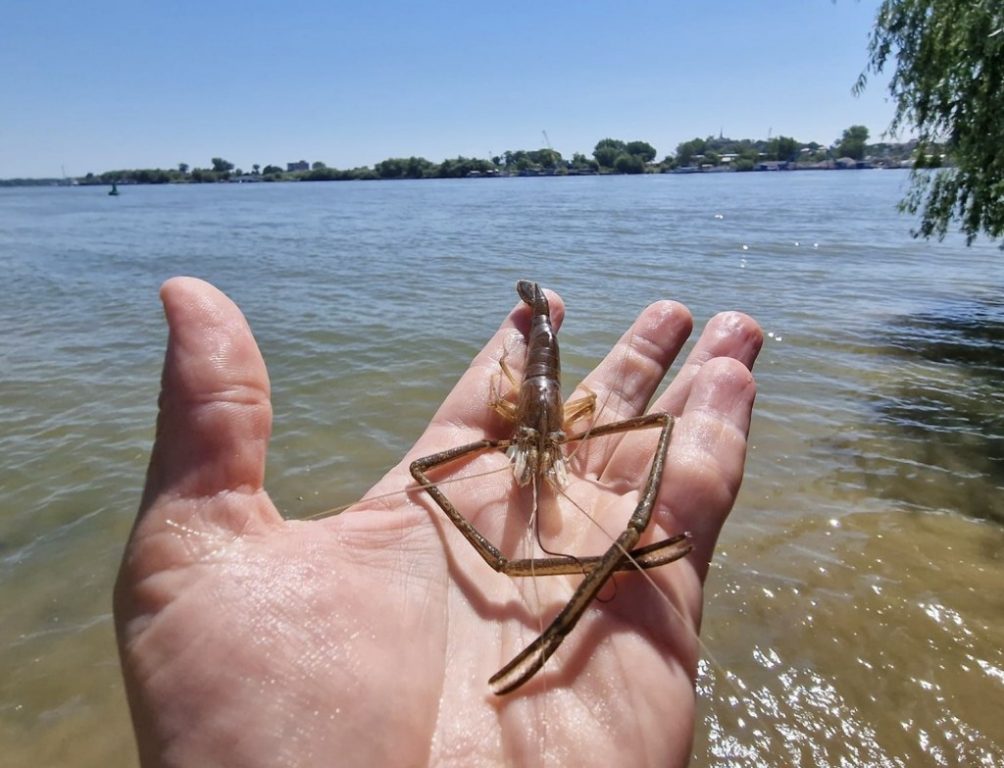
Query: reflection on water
point(868, 650)
point(889, 646)
point(947, 404)
point(854, 611)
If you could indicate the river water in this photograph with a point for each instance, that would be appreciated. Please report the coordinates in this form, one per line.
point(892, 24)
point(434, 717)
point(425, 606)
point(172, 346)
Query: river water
point(855, 613)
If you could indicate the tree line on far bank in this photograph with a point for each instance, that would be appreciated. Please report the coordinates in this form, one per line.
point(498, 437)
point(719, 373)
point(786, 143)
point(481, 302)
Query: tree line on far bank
point(947, 62)
point(609, 156)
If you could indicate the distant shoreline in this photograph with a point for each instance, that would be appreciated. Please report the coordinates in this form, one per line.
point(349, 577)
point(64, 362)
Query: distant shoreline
point(685, 171)
point(610, 157)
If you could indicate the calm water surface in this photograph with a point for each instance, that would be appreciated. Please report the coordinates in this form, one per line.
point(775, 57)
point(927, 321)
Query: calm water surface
point(855, 612)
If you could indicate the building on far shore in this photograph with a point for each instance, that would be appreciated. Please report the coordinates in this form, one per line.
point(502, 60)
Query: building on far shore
point(303, 165)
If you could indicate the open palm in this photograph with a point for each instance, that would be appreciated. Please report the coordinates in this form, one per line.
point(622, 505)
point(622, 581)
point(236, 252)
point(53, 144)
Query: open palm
point(368, 638)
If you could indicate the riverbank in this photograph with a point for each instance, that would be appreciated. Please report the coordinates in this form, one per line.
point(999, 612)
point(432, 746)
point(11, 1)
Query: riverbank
point(768, 166)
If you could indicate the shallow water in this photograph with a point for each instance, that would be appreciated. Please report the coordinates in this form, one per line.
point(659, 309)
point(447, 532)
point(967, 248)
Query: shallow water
point(855, 603)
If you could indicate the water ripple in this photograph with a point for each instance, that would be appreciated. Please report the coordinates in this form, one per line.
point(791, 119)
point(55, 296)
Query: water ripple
point(853, 609)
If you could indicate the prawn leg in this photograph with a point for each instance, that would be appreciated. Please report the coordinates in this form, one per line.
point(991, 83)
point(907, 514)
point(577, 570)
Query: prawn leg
point(532, 658)
point(650, 556)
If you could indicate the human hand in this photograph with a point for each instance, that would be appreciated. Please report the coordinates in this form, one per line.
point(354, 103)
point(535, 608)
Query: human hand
point(368, 638)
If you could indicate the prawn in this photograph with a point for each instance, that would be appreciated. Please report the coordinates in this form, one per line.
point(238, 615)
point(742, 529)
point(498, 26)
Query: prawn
point(542, 426)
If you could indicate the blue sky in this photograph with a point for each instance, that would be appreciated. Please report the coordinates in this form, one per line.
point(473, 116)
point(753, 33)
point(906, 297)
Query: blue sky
point(99, 85)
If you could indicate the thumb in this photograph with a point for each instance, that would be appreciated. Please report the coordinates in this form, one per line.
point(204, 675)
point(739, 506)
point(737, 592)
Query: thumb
point(208, 461)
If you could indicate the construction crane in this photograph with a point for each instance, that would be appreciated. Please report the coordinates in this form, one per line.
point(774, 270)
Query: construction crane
point(554, 155)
